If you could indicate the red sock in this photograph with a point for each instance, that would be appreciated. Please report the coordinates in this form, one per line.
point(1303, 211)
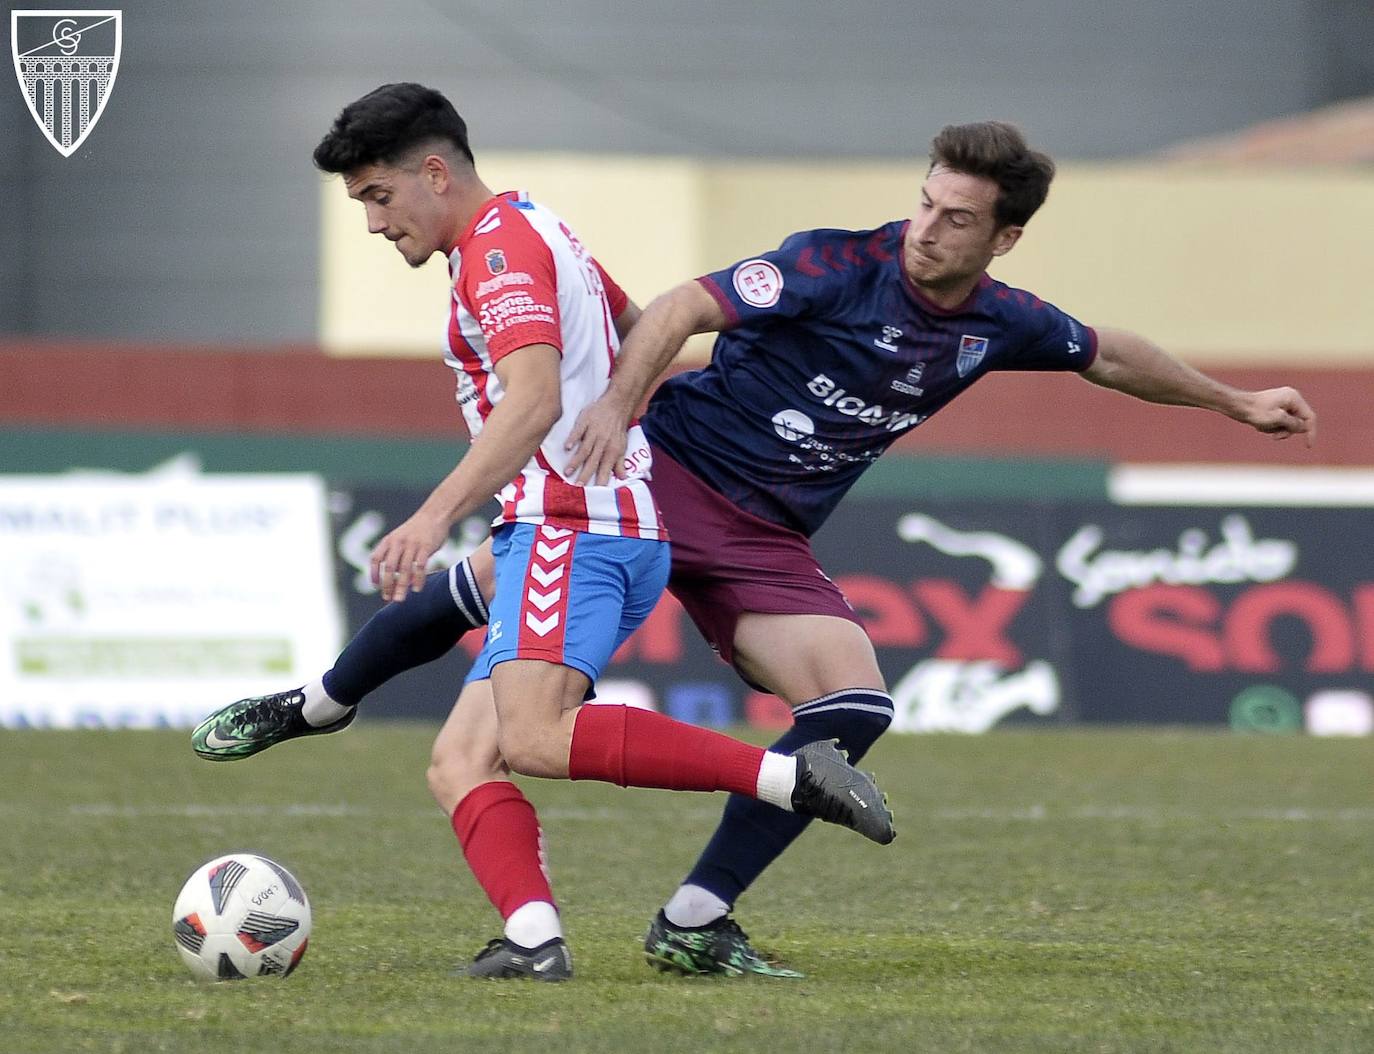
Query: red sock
point(503, 845)
point(640, 748)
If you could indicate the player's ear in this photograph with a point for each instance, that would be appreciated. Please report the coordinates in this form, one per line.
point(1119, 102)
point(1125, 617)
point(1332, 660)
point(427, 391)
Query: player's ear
point(435, 172)
point(1004, 238)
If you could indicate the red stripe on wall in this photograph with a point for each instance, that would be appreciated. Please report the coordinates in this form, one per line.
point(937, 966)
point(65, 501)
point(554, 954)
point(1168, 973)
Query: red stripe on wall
point(298, 391)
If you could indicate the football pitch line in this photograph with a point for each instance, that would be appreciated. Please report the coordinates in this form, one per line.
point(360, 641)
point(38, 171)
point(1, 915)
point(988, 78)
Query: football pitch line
point(1092, 813)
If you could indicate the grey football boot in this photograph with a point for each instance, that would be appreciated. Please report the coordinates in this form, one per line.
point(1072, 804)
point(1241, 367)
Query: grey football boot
point(831, 789)
point(502, 958)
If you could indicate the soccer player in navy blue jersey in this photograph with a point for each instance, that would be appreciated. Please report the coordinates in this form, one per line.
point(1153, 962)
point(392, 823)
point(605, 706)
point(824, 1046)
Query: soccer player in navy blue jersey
point(830, 348)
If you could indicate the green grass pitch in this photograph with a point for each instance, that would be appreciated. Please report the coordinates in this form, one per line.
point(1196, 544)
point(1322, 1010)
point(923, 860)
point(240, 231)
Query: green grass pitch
point(1048, 891)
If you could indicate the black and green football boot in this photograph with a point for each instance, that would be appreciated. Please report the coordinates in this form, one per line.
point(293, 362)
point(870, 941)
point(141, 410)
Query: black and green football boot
point(248, 726)
point(719, 947)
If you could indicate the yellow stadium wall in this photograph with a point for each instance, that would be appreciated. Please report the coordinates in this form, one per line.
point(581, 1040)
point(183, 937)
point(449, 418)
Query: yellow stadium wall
point(1225, 267)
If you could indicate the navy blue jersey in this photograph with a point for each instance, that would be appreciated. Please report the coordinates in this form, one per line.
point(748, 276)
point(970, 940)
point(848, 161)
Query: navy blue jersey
point(830, 354)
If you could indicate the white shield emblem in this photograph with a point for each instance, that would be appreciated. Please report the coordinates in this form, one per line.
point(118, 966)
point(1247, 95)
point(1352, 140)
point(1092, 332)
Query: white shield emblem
point(66, 63)
point(971, 352)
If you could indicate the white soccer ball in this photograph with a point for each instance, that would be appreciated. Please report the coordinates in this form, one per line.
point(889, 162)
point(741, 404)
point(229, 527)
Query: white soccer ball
point(240, 916)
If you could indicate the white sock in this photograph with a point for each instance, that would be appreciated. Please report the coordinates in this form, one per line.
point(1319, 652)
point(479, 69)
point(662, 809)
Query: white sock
point(777, 779)
point(319, 709)
point(694, 906)
point(530, 925)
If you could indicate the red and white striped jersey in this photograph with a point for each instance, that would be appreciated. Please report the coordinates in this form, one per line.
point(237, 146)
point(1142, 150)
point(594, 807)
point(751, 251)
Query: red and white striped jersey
point(521, 277)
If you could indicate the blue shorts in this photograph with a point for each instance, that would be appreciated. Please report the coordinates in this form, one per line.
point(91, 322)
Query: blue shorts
point(568, 597)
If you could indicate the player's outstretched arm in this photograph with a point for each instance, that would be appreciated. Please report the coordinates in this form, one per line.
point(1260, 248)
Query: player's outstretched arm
point(1127, 362)
point(531, 405)
point(597, 440)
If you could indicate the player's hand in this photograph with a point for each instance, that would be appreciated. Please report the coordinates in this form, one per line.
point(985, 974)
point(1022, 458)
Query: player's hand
point(399, 559)
point(1281, 412)
point(597, 442)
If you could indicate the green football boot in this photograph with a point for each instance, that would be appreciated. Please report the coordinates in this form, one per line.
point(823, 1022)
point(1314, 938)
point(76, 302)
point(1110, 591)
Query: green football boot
point(719, 947)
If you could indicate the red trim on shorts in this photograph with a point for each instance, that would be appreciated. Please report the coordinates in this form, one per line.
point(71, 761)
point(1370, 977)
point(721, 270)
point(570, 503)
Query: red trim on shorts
point(544, 599)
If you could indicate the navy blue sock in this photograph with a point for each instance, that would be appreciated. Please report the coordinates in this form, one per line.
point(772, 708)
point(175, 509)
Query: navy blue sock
point(420, 629)
point(753, 834)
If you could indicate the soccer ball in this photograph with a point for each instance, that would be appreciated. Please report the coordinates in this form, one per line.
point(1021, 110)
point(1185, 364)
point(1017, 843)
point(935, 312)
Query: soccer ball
point(240, 916)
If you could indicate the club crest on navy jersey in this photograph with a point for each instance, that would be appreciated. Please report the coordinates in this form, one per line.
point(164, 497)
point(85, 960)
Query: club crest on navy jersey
point(971, 352)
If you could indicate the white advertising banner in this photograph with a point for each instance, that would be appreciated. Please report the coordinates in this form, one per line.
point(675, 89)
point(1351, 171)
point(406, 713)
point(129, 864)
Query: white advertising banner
point(144, 601)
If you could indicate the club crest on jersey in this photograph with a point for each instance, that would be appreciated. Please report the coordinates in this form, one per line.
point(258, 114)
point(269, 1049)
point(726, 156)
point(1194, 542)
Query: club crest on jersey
point(66, 63)
point(758, 283)
point(971, 352)
point(496, 261)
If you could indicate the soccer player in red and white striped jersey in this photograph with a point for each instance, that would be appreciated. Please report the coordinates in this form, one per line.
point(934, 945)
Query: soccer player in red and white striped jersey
point(534, 326)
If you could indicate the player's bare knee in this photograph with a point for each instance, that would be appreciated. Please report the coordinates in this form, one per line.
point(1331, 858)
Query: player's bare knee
point(454, 770)
point(528, 753)
point(436, 781)
point(515, 748)
point(442, 779)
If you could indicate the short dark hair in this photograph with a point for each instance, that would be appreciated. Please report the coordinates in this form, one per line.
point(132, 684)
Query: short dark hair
point(388, 123)
point(998, 151)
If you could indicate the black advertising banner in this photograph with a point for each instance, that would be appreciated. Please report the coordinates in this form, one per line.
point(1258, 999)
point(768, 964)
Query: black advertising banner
point(960, 604)
point(1263, 618)
point(987, 613)
point(1256, 617)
